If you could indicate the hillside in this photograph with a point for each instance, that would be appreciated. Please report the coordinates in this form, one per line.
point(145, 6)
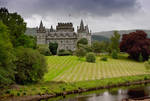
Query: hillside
point(108, 34)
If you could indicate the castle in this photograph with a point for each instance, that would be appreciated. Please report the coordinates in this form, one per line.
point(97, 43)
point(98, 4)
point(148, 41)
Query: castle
point(64, 35)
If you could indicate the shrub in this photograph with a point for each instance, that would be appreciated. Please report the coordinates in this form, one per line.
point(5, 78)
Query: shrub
point(81, 52)
point(140, 58)
point(90, 57)
point(30, 65)
point(104, 59)
point(64, 52)
point(147, 64)
point(44, 51)
point(114, 54)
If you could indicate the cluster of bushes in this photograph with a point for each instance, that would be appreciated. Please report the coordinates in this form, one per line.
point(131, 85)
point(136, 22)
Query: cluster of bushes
point(85, 50)
point(103, 59)
point(63, 52)
point(44, 50)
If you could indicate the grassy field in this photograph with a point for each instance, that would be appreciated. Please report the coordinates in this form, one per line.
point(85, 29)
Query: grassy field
point(71, 69)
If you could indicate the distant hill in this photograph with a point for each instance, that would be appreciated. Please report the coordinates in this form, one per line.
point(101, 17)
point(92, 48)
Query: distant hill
point(30, 31)
point(100, 36)
point(108, 34)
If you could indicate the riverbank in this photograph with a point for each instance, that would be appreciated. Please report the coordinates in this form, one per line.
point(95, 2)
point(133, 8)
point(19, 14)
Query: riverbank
point(54, 89)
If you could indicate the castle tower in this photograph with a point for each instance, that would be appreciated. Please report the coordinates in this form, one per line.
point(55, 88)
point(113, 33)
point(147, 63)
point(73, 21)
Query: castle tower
point(41, 34)
point(51, 29)
point(83, 32)
point(41, 28)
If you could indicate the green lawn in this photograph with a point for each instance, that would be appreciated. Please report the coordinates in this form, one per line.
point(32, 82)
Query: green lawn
point(71, 69)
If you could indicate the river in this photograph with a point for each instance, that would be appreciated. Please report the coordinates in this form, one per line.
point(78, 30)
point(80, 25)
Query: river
point(115, 94)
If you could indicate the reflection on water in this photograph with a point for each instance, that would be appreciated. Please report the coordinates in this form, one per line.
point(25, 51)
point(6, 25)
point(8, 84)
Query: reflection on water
point(117, 94)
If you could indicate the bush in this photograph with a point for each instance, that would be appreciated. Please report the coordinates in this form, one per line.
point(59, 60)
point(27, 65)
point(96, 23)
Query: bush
point(147, 64)
point(64, 52)
point(114, 54)
point(90, 57)
point(44, 51)
point(81, 52)
point(140, 58)
point(104, 59)
point(30, 65)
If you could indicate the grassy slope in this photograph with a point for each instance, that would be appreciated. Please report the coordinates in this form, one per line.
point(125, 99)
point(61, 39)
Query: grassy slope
point(71, 69)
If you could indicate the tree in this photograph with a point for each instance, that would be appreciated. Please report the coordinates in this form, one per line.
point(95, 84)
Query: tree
point(81, 52)
point(90, 57)
point(7, 58)
point(136, 43)
point(114, 54)
point(53, 47)
point(114, 45)
point(15, 24)
point(30, 65)
point(82, 41)
point(26, 41)
point(87, 48)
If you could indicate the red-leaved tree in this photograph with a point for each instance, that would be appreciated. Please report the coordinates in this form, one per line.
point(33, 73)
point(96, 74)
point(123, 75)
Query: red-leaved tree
point(136, 43)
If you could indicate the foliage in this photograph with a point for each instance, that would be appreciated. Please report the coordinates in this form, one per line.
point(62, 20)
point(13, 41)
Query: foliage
point(90, 57)
point(114, 54)
point(81, 52)
point(64, 52)
point(15, 24)
point(87, 48)
point(147, 64)
point(6, 57)
point(114, 44)
point(82, 41)
point(140, 58)
point(26, 41)
point(44, 51)
point(53, 47)
point(96, 47)
point(103, 58)
point(136, 43)
point(30, 65)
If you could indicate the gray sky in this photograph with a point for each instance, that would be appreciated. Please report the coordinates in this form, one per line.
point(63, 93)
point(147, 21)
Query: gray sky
point(100, 15)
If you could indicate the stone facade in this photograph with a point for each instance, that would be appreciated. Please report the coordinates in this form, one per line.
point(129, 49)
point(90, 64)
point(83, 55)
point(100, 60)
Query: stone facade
point(64, 35)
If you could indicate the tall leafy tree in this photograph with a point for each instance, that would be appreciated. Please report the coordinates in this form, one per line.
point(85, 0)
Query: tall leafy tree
point(82, 41)
point(6, 57)
point(53, 47)
point(114, 45)
point(15, 24)
point(136, 44)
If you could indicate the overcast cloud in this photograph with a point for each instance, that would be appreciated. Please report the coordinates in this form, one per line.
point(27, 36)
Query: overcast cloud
point(100, 15)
